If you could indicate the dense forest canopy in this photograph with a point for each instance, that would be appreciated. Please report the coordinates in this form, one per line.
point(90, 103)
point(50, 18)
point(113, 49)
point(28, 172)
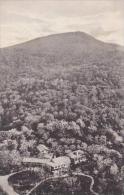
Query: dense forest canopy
point(66, 109)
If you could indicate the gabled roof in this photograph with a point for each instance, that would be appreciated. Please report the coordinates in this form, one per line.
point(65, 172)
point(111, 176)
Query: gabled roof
point(54, 162)
point(74, 153)
point(42, 147)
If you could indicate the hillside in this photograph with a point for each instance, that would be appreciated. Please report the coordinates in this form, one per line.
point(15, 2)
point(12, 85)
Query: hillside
point(64, 49)
point(65, 92)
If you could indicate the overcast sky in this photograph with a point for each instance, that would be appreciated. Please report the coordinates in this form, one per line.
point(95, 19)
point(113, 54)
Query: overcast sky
point(22, 20)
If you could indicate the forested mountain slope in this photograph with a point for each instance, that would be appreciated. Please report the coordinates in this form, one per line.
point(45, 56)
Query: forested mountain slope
point(67, 49)
point(65, 91)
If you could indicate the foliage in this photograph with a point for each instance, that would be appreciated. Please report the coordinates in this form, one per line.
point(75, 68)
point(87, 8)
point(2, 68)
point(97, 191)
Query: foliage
point(79, 109)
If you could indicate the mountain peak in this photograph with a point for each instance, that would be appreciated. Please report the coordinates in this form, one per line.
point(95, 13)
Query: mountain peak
point(65, 37)
point(69, 48)
point(68, 35)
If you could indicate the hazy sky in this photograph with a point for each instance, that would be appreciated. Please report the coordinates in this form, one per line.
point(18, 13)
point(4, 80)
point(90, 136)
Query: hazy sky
point(22, 20)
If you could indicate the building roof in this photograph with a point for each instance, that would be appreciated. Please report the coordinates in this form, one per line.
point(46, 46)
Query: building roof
point(42, 147)
point(61, 160)
point(54, 162)
point(76, 153)
point(71, 155)
point(37, 161)
point(79, 152)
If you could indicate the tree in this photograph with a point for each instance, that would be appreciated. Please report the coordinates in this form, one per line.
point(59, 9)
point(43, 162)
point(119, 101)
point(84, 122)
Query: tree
point(114, 169)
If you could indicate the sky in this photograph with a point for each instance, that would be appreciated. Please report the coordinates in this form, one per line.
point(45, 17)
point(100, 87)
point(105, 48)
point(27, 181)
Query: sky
point(23, 20)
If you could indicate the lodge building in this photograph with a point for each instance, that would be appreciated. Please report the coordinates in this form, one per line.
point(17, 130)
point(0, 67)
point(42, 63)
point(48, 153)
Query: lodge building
point(57, 166)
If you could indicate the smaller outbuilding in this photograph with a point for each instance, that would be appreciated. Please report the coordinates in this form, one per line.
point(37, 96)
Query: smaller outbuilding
point(77, 156)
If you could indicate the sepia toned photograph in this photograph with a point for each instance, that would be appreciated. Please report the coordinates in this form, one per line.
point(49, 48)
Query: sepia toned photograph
point(61, 97)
